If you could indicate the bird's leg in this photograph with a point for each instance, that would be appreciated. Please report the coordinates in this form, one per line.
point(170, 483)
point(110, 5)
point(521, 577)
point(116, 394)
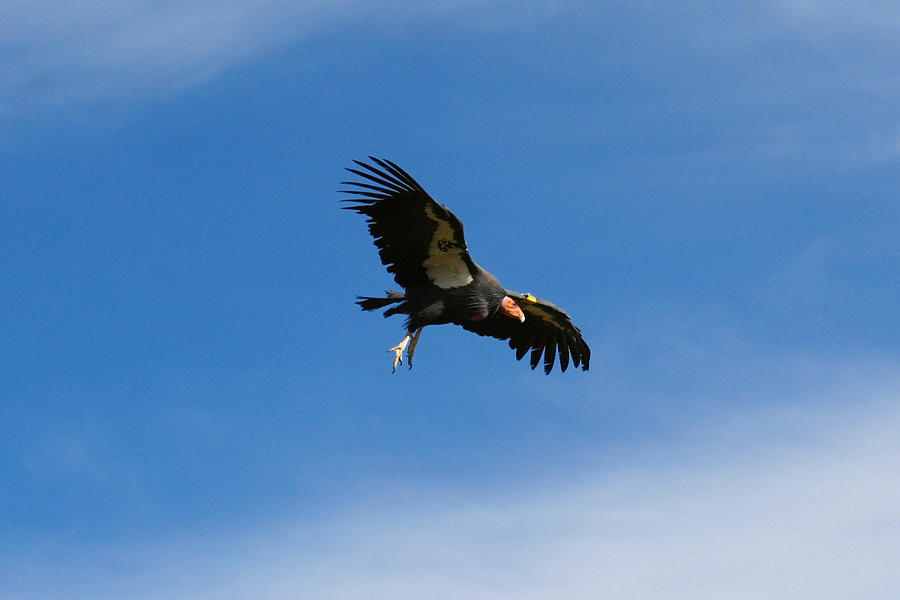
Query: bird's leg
point(399, 348)
point(412, 345)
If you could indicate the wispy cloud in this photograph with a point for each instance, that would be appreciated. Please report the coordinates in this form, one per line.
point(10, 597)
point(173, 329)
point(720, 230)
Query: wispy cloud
point(809, 509)
point(864, 17)
point(60, 52)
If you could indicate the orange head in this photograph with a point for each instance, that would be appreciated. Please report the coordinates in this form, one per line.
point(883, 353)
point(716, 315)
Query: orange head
point(510, 308)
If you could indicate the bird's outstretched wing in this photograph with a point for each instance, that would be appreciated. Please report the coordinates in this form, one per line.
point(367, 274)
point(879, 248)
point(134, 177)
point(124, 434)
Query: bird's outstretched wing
point(547, 330)
point(418, 239)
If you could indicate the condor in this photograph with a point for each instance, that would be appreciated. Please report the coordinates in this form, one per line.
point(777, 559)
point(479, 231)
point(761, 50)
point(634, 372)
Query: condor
point(421, 242)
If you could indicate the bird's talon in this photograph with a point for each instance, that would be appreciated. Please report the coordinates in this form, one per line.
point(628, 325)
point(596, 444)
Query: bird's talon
point(398, 356)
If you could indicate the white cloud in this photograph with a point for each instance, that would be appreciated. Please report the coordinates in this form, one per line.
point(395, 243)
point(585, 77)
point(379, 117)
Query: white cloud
point(64, 53)
point(69, 53)
point(60, 52)
point(809, 510)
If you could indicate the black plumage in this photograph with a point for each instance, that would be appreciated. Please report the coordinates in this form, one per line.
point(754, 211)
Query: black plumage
point(422, 244)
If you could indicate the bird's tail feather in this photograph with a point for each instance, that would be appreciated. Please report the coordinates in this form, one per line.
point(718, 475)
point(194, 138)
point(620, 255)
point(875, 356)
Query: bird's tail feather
point(368, 303)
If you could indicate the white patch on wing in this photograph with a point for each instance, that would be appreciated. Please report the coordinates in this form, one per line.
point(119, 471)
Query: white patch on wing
point(444, 265)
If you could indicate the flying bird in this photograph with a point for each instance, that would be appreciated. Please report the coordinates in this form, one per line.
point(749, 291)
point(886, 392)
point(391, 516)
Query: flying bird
point(423, 246)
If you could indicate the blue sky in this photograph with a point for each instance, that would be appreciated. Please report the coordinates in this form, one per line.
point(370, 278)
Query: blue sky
point(193, 407)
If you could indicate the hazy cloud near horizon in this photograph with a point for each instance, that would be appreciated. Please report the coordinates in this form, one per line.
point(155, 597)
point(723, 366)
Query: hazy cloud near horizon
point(809, 511)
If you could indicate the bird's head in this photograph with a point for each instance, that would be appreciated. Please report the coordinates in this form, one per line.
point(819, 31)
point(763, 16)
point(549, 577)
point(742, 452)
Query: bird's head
point(510, 308)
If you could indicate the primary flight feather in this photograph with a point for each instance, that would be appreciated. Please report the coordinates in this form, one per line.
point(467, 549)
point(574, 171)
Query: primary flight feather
point(422, 244)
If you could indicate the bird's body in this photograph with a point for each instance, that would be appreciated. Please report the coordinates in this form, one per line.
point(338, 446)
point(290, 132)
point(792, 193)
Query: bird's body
point(422, 244)
point(431, 305)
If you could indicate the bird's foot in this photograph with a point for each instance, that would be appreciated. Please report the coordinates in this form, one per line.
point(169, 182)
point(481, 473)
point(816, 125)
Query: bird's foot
point(398, 350)
point(398, 355)
point(412, 346)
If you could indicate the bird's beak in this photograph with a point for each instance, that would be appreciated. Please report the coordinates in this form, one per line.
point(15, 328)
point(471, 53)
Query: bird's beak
point(512, 309)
